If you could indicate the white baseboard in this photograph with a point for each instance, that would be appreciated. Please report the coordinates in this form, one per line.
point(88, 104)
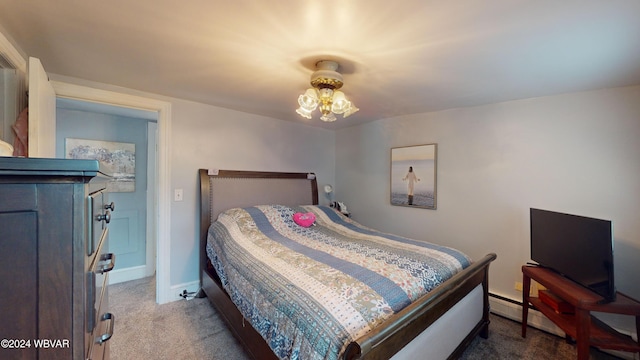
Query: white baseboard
point(139, 272)
point(132, 273)
point(535, 319)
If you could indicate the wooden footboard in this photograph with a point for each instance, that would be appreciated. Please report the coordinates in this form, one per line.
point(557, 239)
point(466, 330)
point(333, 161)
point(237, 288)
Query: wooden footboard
point(386, 339)
point(399, 330)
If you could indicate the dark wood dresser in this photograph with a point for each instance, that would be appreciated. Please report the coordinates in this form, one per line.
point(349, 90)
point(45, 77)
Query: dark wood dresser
point(54, 259)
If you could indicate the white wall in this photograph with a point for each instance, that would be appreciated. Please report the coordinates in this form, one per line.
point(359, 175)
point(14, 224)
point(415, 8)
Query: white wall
point(576, 153)
point(204, 136)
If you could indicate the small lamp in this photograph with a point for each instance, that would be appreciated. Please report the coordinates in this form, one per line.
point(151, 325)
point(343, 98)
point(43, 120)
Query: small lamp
point(328, 189)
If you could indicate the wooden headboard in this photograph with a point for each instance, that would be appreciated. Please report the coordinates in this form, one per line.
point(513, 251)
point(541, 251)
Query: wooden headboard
point(221, 190)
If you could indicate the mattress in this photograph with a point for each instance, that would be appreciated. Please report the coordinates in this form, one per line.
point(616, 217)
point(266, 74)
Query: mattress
point(309, 291)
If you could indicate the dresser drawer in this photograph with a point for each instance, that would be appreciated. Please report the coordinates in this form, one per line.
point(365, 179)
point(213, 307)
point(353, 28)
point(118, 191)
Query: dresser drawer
point(100, 323)
point(99, 214)
point(105, 324)
point(97, 285)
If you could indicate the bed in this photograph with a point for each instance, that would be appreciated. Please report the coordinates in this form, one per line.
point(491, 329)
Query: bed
point(440, 323)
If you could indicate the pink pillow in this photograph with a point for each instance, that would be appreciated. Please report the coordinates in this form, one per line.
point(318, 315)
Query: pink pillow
point(304, 220)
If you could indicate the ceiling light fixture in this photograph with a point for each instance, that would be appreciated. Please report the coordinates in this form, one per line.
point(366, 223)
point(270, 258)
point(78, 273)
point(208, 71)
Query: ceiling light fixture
point(324, 93)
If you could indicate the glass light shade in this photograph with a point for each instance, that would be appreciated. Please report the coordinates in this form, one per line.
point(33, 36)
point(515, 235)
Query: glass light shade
point(305, 113)
point(308, 100)
point(340, 103)
point(328, 117)
point(351, 110)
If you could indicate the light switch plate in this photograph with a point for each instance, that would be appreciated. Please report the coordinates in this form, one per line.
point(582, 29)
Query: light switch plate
point(177, 195)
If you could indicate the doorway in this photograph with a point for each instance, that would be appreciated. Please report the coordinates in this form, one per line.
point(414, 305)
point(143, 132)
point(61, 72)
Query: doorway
point(132, 231)
point(163, 165)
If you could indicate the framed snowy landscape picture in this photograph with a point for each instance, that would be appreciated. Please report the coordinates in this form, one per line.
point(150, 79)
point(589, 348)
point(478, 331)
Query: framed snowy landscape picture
point(413, 176)
point(118, 159)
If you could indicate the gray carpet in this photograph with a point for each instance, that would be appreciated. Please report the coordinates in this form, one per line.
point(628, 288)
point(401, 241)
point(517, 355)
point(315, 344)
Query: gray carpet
point(192, 329)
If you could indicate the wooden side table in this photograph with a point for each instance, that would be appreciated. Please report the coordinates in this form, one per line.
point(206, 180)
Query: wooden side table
point(581, 326)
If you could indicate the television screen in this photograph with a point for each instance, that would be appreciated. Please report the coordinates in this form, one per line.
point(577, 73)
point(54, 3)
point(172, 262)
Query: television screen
point(579, 248)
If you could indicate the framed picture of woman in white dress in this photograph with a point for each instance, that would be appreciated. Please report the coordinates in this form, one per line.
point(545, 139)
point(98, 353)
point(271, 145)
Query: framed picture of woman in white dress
point(413, 176)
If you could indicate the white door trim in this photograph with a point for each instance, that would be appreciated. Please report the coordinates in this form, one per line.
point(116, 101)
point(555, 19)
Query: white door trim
point(12, 55)
point(152, 197)
point(163, 229)
point(42, 112)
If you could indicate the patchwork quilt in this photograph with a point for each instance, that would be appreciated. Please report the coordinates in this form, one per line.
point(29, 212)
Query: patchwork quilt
point(310, 291)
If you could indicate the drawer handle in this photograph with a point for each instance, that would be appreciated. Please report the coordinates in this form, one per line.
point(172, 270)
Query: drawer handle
point(111, 206)
point(106, 336)
point(106, 217)
point(104, 268)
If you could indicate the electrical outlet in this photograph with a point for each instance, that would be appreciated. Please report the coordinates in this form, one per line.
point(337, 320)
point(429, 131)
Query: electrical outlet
point(533, 289)
point(518, 286)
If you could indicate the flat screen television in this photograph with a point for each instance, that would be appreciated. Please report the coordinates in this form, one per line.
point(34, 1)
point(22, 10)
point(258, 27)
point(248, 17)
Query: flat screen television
point(577, 247)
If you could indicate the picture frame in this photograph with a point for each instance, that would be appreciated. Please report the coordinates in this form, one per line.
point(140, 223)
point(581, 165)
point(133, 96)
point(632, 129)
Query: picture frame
point(117, 158)
point(413, 175)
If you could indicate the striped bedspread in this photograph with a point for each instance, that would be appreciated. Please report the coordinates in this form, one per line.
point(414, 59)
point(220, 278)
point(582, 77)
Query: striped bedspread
point(311, 291)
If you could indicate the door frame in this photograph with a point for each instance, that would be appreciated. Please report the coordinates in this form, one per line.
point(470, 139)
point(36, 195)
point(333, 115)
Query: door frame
point(152, 197)
point(163, 225)
point(19, 63)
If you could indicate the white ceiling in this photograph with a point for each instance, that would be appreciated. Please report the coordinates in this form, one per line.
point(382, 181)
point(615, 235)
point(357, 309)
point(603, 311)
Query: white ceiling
point(398, 57)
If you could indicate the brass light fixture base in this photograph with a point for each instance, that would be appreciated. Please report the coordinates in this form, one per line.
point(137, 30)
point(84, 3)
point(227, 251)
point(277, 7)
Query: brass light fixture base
point(326, 75)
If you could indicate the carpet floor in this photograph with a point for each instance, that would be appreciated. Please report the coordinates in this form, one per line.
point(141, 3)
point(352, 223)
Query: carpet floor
point(192, 329)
